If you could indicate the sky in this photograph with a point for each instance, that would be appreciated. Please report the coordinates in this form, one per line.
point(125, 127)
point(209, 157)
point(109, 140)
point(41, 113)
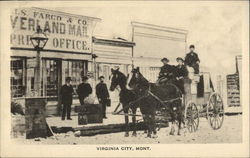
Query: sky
point(214, 28)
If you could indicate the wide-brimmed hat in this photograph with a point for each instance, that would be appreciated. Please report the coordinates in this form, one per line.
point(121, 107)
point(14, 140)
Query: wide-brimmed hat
point(68, 78)
point(164, 59)
point(179, 58)
point(191, 46)
point(101, 77)
point(84, 78)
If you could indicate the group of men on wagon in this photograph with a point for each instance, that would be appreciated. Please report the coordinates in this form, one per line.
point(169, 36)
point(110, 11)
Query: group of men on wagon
point(176, 74)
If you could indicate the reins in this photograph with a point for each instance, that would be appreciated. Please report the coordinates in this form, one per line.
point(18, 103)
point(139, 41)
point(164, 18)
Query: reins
point(128, 106)
point(163, 102)
point(147, 94)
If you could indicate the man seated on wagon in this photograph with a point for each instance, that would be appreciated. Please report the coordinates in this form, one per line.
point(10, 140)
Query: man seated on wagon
point(192, 59)
point(180, 73)
point(166, 74)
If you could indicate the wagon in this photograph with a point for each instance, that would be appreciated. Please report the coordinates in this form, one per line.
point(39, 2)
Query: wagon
point(202, 101)
point(199, 100)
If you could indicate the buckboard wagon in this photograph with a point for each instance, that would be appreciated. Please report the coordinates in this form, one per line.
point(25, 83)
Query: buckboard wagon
point(200, 100)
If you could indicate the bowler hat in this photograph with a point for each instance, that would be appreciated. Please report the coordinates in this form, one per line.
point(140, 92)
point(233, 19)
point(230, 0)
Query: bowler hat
point(84, 78)
point(101, 77)
point(179, 58)
point(68, 78)
point(191, 46)
point(166, 59)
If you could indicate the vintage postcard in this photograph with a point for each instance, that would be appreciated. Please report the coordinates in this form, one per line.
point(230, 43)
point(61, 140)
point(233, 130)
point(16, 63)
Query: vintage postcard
point(125, 79)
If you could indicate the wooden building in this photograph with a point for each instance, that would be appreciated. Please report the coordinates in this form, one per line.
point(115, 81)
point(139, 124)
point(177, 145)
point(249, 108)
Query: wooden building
point(112, 53)
point(154, 42)
point(67, 53)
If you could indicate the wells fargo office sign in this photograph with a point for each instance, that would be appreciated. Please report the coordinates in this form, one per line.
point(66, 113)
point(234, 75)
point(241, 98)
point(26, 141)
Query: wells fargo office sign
point(66, 32)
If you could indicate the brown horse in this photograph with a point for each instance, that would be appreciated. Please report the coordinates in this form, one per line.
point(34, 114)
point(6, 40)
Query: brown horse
point(126, 96)
point(165, 99)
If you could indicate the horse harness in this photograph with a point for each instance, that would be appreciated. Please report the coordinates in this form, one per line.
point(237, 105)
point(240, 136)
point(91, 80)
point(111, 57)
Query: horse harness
point(149, 93)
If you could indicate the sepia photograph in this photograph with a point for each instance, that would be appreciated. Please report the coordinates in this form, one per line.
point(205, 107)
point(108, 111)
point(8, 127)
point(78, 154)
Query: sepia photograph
point(117, 74)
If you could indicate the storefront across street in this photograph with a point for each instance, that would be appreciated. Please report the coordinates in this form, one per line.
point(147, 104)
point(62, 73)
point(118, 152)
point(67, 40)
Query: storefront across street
point(68, 53)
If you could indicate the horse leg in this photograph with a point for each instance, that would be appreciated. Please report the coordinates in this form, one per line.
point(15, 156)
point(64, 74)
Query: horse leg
point(154, 126)
point(144, 119)
point(179, 124)
point(172, 129)
point(180, 117)
point(149, 126)
point(172, 123)
point(126, 122)
point(134, 122)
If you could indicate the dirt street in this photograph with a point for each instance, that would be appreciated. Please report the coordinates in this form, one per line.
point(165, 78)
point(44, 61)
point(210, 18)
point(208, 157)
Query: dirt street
point(231, 132)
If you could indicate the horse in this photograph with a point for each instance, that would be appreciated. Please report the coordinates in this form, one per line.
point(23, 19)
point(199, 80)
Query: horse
point(125, 96)
point(166, 98)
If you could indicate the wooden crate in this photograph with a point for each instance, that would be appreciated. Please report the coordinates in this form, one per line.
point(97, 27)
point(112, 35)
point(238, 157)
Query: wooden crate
point(82, 119)
point(89, 113)
point(95, 118)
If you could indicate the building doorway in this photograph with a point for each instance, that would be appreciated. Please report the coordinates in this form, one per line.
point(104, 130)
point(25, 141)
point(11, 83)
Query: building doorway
point(51, 78)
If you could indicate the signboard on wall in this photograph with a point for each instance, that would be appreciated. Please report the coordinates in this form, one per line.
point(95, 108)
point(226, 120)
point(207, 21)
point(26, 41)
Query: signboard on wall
point(66, 32)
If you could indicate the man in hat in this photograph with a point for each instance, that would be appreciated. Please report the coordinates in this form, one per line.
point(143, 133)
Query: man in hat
point(166, 73)
point(66, 94)
point(180, 73)
point(84, 90)
point(192, 59)
point(102, 94)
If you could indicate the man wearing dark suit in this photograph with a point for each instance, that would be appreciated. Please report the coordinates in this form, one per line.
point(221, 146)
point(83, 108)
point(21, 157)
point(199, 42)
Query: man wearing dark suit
point(166, 73)
point(180, 73)
point(192, 60)
point(102, 94)
point(67, 94)
point(84, 90)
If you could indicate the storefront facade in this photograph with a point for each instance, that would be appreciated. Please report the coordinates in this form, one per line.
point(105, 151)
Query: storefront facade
point(112, 53)
point(149, 67)
point(68, 52)
point(154, 42)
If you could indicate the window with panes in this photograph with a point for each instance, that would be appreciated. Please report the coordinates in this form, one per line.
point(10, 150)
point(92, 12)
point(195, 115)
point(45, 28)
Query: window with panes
point(51, 77)
point(17, 79)
point(74, 69)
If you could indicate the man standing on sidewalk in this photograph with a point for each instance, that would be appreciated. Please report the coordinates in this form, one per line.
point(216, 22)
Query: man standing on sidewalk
point(67, 93)
point(84, 90)
point(102, 94)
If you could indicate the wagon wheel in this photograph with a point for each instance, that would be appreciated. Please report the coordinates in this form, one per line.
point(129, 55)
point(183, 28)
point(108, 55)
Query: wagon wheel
point(191, 117)
point(215, 111)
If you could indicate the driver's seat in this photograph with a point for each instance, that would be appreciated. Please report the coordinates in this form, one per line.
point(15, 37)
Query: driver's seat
point(194, 77)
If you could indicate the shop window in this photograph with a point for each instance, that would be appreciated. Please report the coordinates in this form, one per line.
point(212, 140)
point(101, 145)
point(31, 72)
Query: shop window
point(74, 69)
point(17, 77)
point(51, 74)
